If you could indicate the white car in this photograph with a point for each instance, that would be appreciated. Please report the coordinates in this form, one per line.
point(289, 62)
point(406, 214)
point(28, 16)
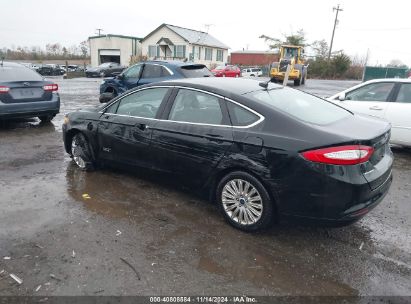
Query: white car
point(389, 99)
point(251, 72)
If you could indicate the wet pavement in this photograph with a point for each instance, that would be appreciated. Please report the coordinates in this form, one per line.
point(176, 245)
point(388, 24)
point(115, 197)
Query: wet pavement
point(54, 236)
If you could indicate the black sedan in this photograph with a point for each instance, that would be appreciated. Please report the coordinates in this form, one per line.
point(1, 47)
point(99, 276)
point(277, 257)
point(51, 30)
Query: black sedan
point(261, 150)
point(106, 69)
point(24, 93)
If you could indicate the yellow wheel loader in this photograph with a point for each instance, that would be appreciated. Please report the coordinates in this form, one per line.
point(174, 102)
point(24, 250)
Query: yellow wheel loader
point(290, 55)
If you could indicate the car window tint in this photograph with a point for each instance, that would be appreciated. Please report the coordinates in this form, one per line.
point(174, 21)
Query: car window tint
point(371, 92)
point(404, 94)
point(143, 103)
point(302, 106)
point(240, 116)
point(197, 107)
point(154, 71)
point(195, 71)
point(133, 72)
point(18, 73)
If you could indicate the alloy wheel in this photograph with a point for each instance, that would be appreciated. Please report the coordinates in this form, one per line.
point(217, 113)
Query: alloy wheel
point(242, 202)
point(77, 151)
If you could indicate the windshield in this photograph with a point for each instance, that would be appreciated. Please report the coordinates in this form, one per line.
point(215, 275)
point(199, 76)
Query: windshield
point(196, 71)
point(303, 106)
point(220, 67)
point(18, 74)
point(290, 52)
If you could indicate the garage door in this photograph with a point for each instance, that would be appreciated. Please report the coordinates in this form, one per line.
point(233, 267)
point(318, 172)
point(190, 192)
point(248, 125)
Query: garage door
point(109, 56)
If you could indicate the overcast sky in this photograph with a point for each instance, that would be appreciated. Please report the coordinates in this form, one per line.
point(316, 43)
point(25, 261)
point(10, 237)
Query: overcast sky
point(383, 27)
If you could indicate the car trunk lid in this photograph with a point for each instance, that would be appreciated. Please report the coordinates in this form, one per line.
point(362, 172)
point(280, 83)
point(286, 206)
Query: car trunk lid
point(25, 91)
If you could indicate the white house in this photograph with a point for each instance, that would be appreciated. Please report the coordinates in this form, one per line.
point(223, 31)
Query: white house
point(113, 48)
point(174, 42)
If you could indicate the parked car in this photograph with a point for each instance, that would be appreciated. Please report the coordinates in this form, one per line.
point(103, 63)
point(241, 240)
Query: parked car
point(252, 72)
point(105, 70)
point(226, 71)
point(148, 72)
point(261, 150)
point(25, 93)
point(50, 70)
point(388, 99)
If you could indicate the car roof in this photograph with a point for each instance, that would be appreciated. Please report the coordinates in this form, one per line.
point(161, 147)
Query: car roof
point(222, 85)
point(172, 62)
point(11, 64)
point(388, 80)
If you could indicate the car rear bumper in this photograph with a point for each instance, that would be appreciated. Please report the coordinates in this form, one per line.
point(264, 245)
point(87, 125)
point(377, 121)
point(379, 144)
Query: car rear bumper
point(355, 212)
point(329, 193)
point(30, 109)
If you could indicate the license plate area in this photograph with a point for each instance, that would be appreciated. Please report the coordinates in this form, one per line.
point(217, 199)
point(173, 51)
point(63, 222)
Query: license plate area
point(26, 93)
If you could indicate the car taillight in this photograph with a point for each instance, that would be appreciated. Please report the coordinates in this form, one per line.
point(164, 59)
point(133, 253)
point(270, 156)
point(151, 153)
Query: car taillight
point(51, 87)
point(342, 155)
point(4, 89)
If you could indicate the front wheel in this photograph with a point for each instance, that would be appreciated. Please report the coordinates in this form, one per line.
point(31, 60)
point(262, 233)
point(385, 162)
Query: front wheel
point(81, 153)
point(244, 202)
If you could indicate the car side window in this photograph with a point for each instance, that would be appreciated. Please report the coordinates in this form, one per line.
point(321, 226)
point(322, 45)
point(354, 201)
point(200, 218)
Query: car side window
point(404, 94)
point(241, 116)
point(144, 103)
point(112, 109)
point(371, 92)
point(154, 71)
point(133, 72)
point(196, 107)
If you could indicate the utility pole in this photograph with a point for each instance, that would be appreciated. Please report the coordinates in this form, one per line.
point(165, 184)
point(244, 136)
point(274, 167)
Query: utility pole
point(99, 30)
point(337, 9)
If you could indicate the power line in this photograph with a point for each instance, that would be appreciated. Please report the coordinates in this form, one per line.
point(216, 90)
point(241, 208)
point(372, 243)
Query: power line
point(337, 9)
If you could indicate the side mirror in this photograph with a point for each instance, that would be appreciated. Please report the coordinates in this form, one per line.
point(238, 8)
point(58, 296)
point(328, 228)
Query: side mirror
point(106, 97)
point(341, 97)
point(119, 76)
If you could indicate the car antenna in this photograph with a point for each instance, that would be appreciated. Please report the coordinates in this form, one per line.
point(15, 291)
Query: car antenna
point(264, 84)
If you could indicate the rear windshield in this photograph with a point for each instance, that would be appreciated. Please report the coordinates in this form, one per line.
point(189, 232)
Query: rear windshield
point(16, 73)
point(195, 71)
point(303, 106)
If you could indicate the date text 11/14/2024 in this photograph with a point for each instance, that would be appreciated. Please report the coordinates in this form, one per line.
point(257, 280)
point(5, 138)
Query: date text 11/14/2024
point(203, 299)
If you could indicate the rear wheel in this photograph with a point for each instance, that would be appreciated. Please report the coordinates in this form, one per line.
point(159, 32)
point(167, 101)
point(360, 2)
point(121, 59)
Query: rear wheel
point(244, 202)
point(80, 151)
point(46, 118)
point(297, 82)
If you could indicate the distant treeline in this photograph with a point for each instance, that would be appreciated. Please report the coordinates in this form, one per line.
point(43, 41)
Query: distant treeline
point(52, 51)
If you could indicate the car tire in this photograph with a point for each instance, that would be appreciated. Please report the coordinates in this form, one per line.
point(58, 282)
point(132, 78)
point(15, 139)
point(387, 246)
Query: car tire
point(273, 80)
point(81, 153)
point(234, 201)
point(297, 82)
point(46, 118)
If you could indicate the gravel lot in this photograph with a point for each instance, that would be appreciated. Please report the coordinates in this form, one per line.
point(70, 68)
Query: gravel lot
point(53, 237)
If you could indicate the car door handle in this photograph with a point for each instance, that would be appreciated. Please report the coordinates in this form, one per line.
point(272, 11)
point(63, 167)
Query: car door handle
point(142, 126)
point(376, 108)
